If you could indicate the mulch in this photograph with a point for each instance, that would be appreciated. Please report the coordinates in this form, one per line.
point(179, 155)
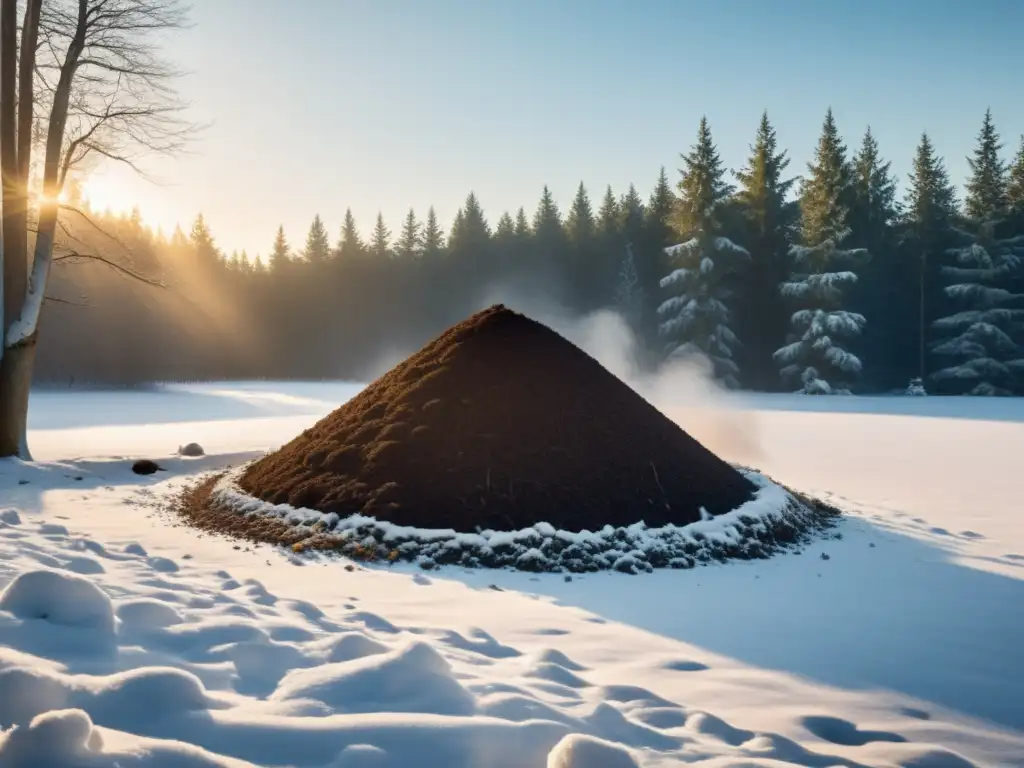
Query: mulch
point(500, 423)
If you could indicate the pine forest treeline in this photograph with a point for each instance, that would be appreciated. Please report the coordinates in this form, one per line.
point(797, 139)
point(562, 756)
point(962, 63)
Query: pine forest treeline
point(822, 281)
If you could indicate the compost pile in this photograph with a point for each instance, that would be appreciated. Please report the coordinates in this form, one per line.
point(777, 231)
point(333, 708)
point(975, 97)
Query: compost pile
point(499, 424)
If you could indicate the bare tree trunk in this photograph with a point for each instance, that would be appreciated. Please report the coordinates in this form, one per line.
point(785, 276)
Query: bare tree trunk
point(14, 236)
point(15, 382)
point(921, 319)
point(21, 332)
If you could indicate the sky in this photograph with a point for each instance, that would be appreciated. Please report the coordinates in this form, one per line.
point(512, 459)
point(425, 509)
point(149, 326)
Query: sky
point(314, 106)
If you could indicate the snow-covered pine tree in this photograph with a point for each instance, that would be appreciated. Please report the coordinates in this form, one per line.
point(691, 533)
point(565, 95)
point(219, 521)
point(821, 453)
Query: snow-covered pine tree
point(697, 318)
point(629, 295)
point(983, 354)
point(813, 359)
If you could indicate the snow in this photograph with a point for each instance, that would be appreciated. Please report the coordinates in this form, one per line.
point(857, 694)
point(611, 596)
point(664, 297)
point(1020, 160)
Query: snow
point(763, 525)
point(127, 639)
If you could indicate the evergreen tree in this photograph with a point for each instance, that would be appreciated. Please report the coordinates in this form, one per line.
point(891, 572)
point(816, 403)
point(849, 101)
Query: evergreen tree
point(881, 290)
point(318, 247)
point(579, 224)
point(979, 349)
point(929, 213)
point(505, 244)
point(1015, 186)
point(697, 318)
point(629, 295)
point(409, 242)
point(549, 242)
point(631, 215)
point(433, 237)
point(470, 229)
point(610, 245)
point(471, 265)
point(380, 240)
point(652, 263)
point(813, 358)
point(547, 219)
point(987, 187)
point(583, 277)
point(523, 239)
point(825, 193)
point(505, 231)
point(658, 233)
point(280, 254)
point(767, 221)
point(244, 263)
point(201, 239)
point(522, 225)
point(983, 350)
point(350, 246)
point(608, 214)
point(477, 228)
point(875, 208)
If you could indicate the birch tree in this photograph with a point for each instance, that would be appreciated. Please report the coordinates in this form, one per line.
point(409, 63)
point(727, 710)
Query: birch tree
point(84, 81)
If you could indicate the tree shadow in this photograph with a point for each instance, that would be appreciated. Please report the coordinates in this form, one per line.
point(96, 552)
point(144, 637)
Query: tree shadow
point(886, 610)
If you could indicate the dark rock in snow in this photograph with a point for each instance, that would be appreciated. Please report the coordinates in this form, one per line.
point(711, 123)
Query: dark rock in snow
point(146, 467)
point(825, 556)
point(191, 449)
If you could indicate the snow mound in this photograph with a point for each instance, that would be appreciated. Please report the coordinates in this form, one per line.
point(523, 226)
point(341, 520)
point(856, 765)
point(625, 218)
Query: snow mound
point(579, 751)
point(773, 520)
point(412, 679)
point(62, 737)
point(361, 756)
point(61, 599)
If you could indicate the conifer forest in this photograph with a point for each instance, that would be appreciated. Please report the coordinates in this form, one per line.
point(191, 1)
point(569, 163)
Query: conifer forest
point(821, 280)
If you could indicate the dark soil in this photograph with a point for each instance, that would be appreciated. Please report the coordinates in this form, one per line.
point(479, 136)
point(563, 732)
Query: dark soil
point(500, 423)
point(196, 507)
point(145, 467)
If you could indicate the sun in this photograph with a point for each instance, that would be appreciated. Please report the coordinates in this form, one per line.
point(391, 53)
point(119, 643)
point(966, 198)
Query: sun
point(104, 193)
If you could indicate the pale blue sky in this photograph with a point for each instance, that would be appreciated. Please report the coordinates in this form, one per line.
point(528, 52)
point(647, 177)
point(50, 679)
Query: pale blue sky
point(317, 105)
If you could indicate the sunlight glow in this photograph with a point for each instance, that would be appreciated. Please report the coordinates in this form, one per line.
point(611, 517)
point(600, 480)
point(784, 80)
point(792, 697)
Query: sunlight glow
point(103, 193)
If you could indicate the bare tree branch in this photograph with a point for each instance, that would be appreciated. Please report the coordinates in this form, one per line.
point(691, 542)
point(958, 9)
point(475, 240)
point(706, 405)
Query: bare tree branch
point(124, 106)
point(56, 300)
point(74, 256)
point(94, 224)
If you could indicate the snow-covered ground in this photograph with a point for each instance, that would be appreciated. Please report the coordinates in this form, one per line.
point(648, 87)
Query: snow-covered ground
point(129, 640)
